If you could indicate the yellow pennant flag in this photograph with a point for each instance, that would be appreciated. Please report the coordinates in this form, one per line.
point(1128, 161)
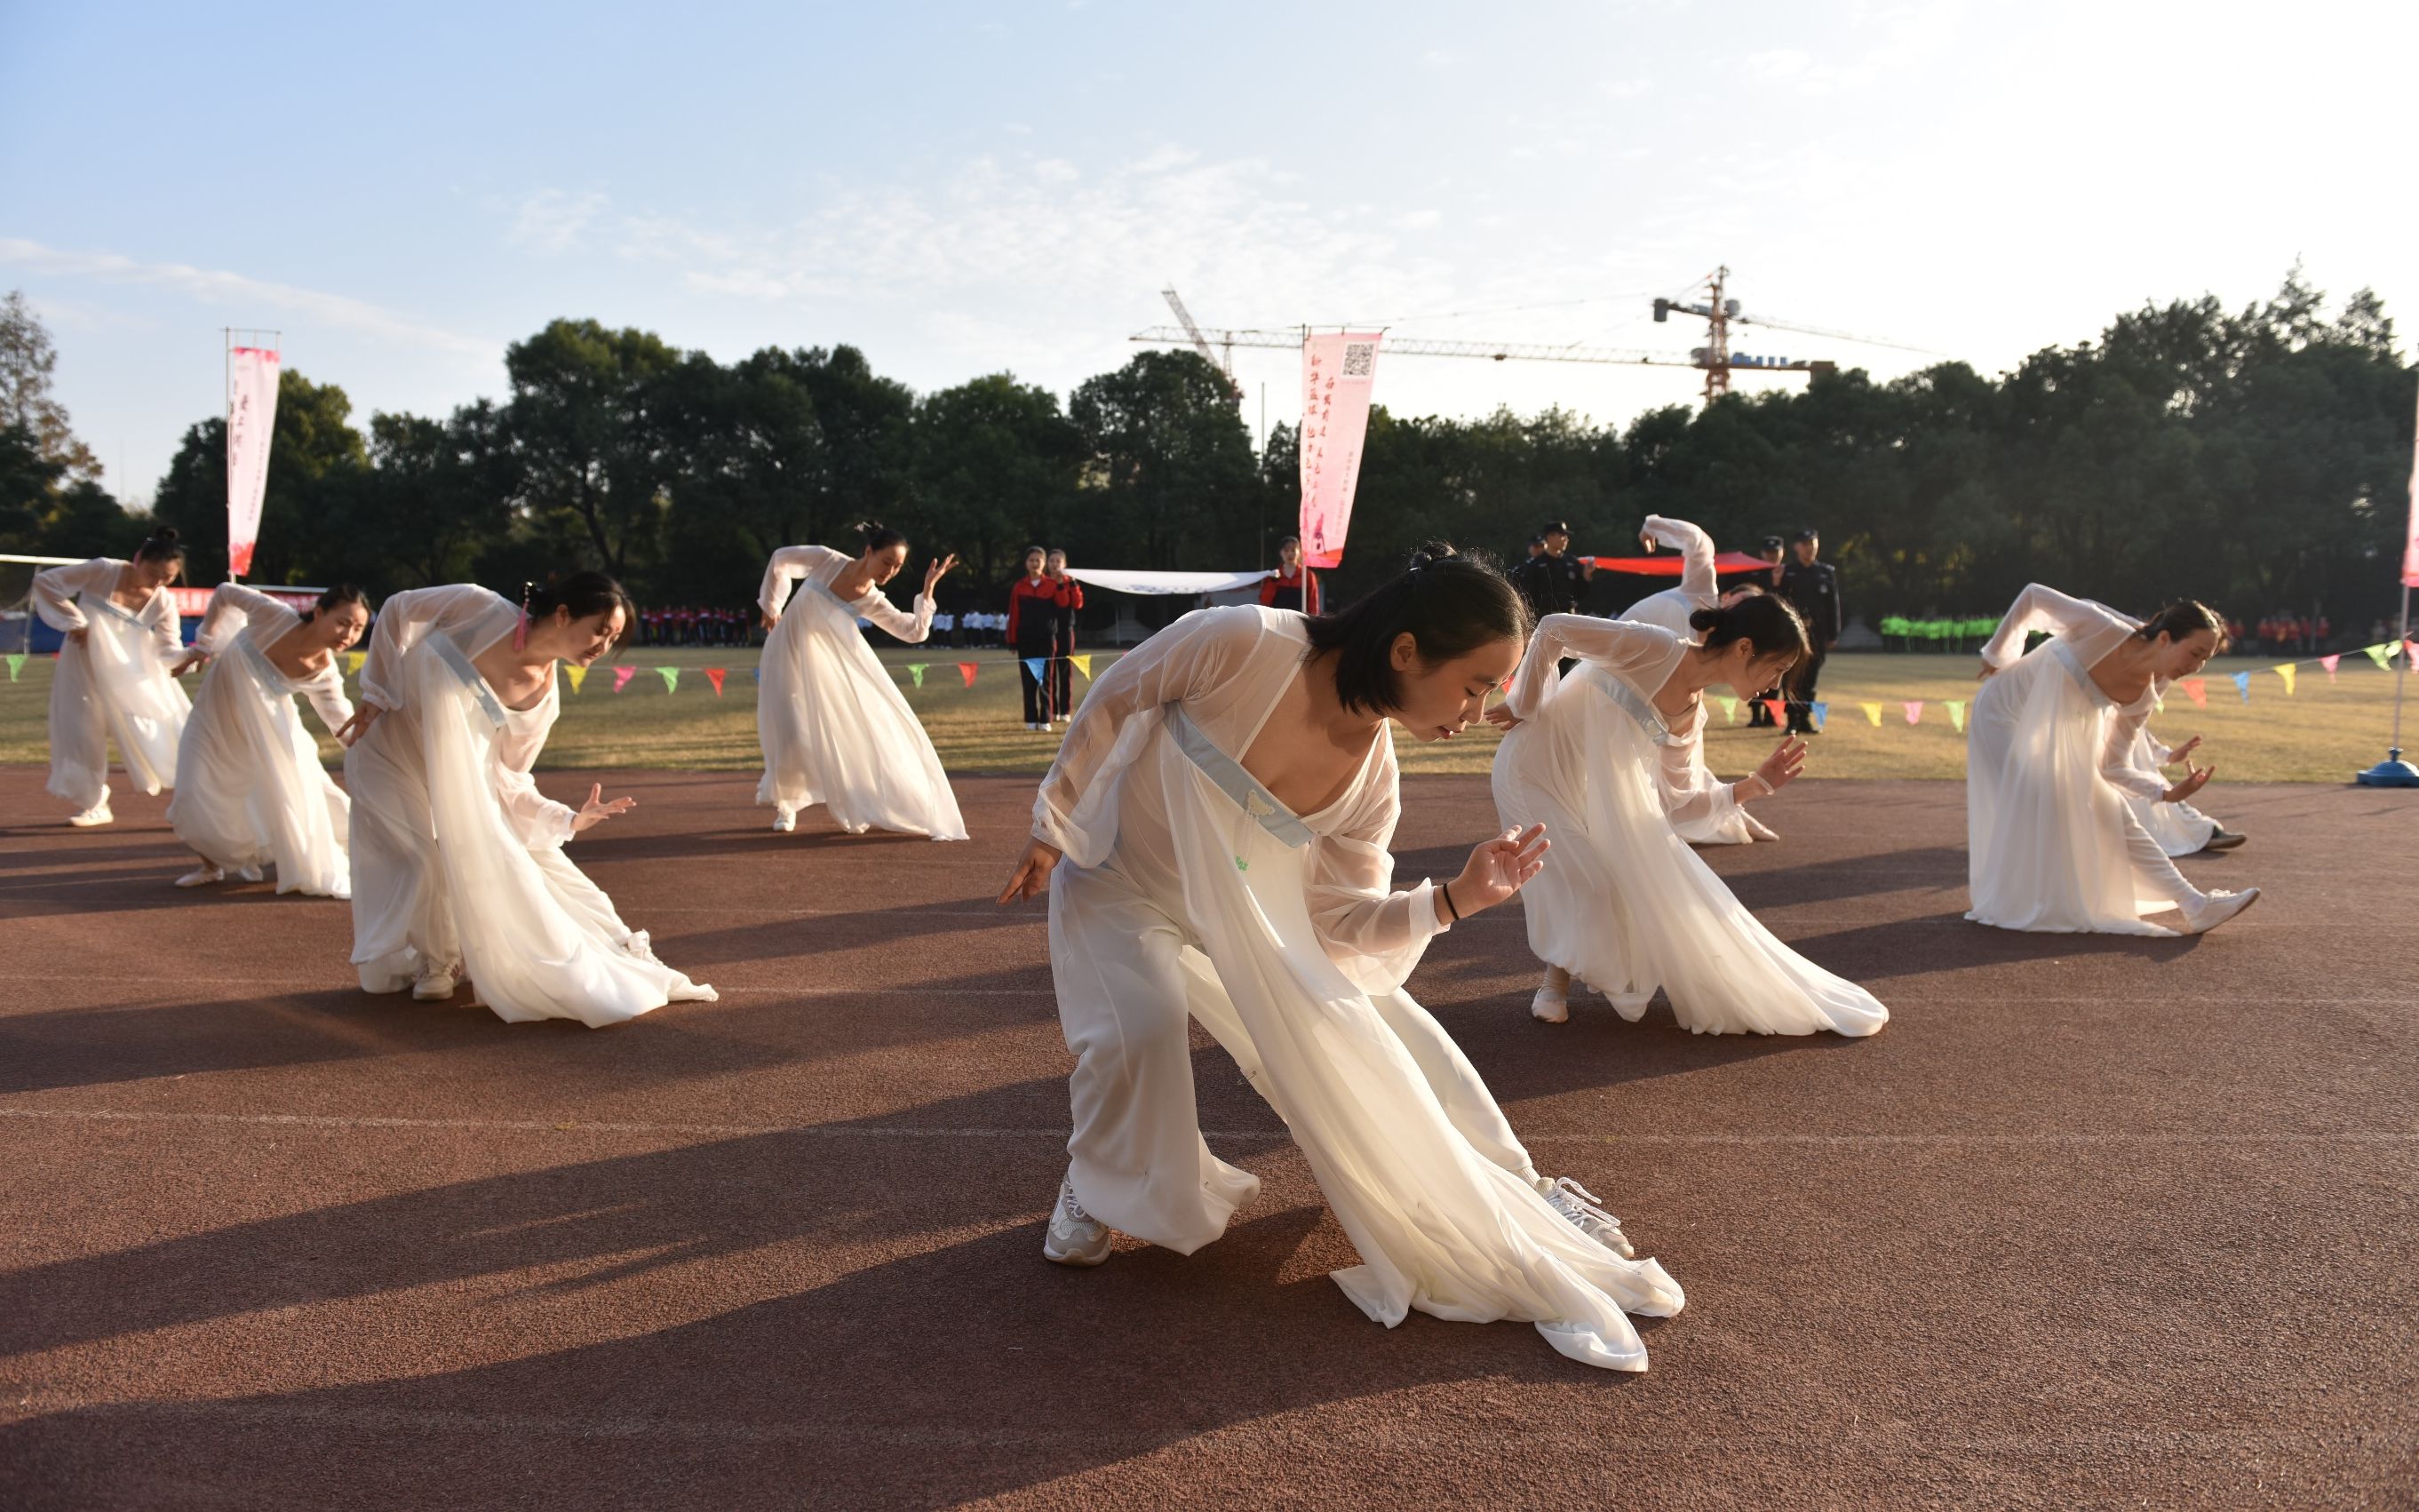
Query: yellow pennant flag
point(1872, 714)
point(2286, 671)
point(1957, 713)
point(1083, 663)
point(353, 660)
point(576, 674)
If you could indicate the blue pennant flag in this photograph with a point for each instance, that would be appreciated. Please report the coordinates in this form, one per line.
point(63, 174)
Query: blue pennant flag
point(756, 674)
point(1822, 713)
point(1038, 667)
point(2242, 685)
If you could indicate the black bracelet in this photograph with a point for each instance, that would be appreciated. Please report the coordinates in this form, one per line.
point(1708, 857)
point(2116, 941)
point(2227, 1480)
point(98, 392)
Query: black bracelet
point(1446, 889)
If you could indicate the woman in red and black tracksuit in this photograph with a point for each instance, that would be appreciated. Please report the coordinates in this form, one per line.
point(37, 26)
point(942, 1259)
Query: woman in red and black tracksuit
point(1033, 604)
point(1062, 670)
point(1293, 586)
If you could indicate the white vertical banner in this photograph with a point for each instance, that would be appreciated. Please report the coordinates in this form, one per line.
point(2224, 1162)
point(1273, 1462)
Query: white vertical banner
point(251, 413)
point(1336, 374)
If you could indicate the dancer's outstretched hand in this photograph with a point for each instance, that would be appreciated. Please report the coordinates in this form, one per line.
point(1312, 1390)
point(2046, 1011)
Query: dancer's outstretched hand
point(1496, 870)
point(1502, 717)
point(2183, 751)
point(1781, 767)
point(366, 713)
point(933, 573)
point(597, 810)
point(187, 662)
point(1033, 869)
point(2195, 778)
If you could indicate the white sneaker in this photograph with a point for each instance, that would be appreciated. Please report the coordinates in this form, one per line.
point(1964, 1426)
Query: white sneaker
point(1578, 1204)
point(201, 876)
point(2220, 907)
point(433, 987)
point(96, 815)
point(784, 820)
point(1576, 1341)
point(1076, 1236)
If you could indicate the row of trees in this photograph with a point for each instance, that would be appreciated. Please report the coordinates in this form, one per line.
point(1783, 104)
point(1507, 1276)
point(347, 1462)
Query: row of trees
point(2258, 458)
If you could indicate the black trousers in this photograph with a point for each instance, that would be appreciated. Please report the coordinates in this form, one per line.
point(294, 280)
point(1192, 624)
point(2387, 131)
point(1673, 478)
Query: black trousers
point(1040, 693)
point(1062, 673)
point(1801, 708)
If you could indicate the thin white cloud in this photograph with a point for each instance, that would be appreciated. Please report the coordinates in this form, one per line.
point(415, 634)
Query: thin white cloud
point(249, 296)
point(554, 221)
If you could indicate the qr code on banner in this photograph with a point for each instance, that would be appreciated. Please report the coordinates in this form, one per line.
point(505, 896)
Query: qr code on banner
point(1360, 357)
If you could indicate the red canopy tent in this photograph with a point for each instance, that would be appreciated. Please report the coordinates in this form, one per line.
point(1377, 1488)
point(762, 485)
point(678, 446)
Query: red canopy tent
point(1669, 564)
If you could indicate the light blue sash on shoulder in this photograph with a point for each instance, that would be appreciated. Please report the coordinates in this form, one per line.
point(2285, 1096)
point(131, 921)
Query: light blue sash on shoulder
point(1238, 784)
point(262, 666)
point(107, 605)
point(1649, 718)
point(451, 654)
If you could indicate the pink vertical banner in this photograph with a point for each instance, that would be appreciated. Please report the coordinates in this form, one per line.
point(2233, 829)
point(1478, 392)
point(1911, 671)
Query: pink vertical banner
point(1336, 373)
point(2410, 527)
point(251, 412)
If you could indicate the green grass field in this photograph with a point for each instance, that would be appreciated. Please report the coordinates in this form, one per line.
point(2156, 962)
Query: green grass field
point(2321, 734)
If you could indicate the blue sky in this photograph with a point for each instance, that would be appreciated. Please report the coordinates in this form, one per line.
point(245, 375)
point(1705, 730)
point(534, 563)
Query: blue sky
point(963, 189)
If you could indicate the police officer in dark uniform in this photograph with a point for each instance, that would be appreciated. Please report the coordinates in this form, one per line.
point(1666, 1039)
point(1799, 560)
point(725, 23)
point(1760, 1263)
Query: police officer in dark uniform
point(1813, 588)
point(1759, 714)
point(1552, 581)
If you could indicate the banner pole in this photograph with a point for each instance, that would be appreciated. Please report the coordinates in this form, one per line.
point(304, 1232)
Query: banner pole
point(226, 431)
point(2394, 772)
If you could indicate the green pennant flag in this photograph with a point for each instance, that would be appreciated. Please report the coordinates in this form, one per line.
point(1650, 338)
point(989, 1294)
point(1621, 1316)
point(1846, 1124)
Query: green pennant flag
point(671, 678)
point(916, 671)
point(1957, 713)
point(2379, 654)
point(1730, 708)
point(16, 664)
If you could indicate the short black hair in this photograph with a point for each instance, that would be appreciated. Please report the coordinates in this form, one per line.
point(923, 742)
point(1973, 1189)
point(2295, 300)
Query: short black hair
point(1448, 603)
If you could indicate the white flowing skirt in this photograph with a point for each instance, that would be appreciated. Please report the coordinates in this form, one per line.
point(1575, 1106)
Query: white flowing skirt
point(1412, 1154)
point(441, 882)
point(113, 687)
point(1625, 906)
point(2179, 828)
point(835, 731)
point(250, 789)
point(2047, 843)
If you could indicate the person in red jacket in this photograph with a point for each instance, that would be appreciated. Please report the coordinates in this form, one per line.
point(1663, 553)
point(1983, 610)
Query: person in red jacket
point(1293, 585)
point(1062, 668)
point(1034, 601)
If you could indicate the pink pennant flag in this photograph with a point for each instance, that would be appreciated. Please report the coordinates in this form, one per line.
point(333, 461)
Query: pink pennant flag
point(2198, 689)
point(1915, 711)
point(714, 675)
point(1779, 713)
point(2331, 663)
point(621, 676)
point(966, 670)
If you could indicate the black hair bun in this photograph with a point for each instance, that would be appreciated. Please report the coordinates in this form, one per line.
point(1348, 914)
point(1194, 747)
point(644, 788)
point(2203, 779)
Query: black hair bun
point(166, 534)
point(1430, 554)
point(1708, 618)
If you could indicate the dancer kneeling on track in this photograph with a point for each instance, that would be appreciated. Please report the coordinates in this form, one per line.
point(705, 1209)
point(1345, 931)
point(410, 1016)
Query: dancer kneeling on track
point(250, 789)
point(1703, 810)
point(834, 728)
point(1623, 905)
point(113, 679)
point(2179, 828)
point(2052, 845)
point(1223, 804)
point(458, 858)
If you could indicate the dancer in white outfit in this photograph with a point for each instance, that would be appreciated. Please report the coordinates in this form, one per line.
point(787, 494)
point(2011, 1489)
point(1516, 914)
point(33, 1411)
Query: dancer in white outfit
point(2179, 828)
point(1716, 824)
point(115, 680)
point(250, 789)
point(458, 858)
point(834, 726)
point(1623, 905)
point(2052, 845)
point(1223, 804)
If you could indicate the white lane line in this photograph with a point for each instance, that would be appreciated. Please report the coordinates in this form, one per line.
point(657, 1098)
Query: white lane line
point(316, 1120)
point(398, 1422)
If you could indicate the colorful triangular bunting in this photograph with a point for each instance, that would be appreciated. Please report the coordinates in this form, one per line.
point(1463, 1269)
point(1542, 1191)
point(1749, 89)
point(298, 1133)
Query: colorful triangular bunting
point(1914, 711)
point(716, 675)
point(1957, 714)
point(671, 678)
point(966, 670)
point(576, 674)
point(2286, 671)
point(621, 676)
